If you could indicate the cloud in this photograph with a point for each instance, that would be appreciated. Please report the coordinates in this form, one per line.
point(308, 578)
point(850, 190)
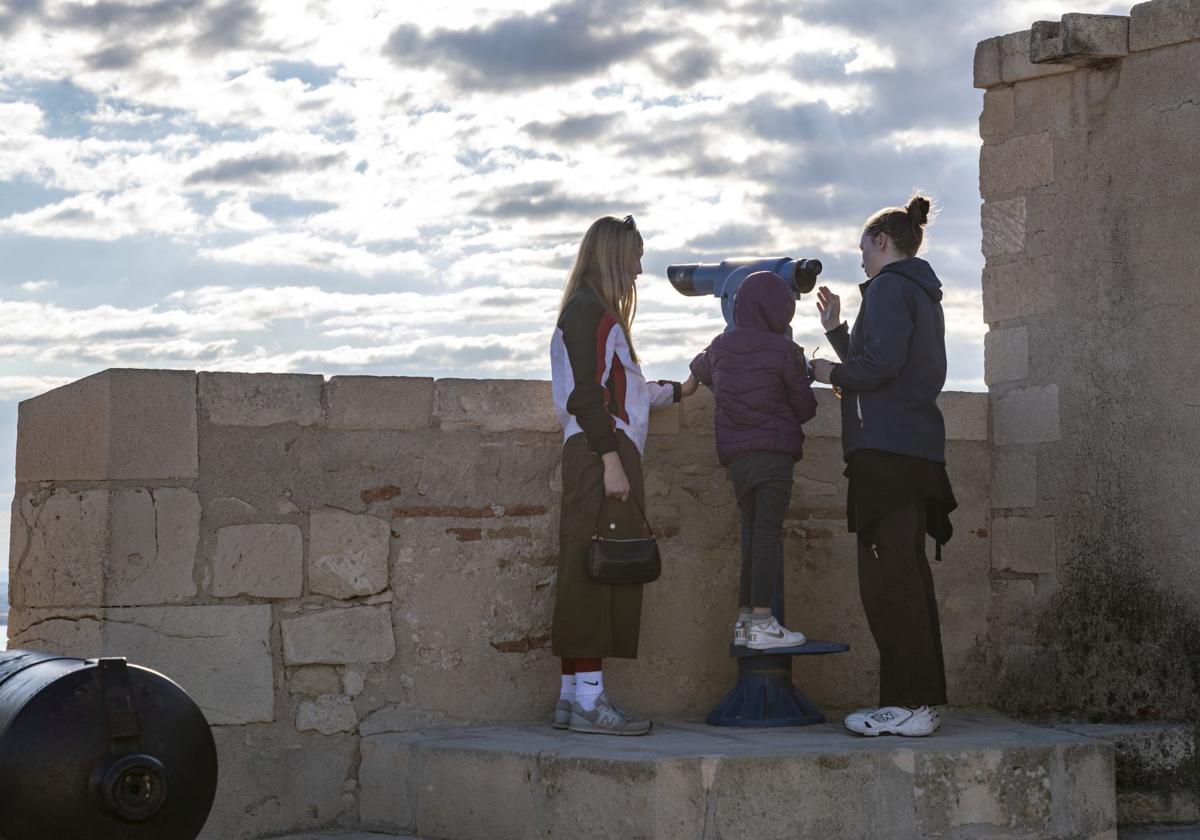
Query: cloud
point(257, 169)
point(228, 26)
point(115, 57)
point(568, 41)
point(32, 286)
point(547, 199)
point(577, 129)
point(689, 65)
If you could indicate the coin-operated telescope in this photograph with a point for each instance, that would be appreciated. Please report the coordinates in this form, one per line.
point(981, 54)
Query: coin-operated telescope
point(723, 279)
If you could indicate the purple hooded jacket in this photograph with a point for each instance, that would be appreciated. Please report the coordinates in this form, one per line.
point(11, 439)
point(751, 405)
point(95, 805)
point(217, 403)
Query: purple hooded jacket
point(758, 374)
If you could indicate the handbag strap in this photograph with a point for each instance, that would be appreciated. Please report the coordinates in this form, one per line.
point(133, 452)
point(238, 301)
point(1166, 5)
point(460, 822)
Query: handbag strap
point(600, 513)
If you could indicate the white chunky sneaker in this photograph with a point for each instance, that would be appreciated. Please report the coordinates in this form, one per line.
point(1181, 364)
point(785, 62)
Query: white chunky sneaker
point(562, 713)
point(741, 630)
point(894, 720)
point(767, 633)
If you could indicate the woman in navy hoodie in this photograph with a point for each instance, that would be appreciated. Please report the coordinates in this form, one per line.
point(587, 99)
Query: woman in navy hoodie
point(763, 395)
point(893, 366)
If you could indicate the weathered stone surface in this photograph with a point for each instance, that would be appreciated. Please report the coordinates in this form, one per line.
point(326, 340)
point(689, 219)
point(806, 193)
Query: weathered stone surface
point(1028, 415)
point(347, 553)
point(665, 421)
point(1003, 227)
point(999, 115)
point(1024, 545)
point(314, 680)
point(263, 560)
point(1079, 39)
point(274, 779)
point(98, 428)
point(1018, 289)
point(500, 783)
point(1161, 23)
point(261, 399)
point(98, 547)
point(987, 63)
point(220, 655)
point(1012, 615)
point(339, 636)
point(508, 405)
point(327, 714)
point(965, 415)
point(1015, 65)
point(1014, 479)
point(1016, 165)
point(379, 402)
point(1006, 355)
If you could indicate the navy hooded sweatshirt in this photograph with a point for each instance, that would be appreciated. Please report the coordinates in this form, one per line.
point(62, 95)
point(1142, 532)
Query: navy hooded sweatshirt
point(894, 364)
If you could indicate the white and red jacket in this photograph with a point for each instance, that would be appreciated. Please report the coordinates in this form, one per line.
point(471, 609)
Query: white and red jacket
point(598, 387)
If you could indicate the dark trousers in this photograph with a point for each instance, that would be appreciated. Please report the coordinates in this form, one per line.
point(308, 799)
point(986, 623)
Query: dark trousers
point(897, 595)
point(762, 483)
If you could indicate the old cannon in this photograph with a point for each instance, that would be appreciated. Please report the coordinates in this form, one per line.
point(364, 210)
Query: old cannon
point(99, 749)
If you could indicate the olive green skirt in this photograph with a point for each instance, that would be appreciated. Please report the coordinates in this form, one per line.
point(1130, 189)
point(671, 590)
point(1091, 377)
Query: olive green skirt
point(595, 619)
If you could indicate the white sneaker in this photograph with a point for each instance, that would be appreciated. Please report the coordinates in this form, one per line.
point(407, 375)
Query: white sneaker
point(894, 720)
point(767, 633)
point(741, 630)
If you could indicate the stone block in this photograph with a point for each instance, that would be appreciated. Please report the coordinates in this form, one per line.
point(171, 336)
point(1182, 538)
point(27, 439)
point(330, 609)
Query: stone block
point(347, 553)
point(1019, 289)
point(965, 415)
point(505, 405)
point(1015, 65)
point(987, 63)
point(261, 399)
point(1003, 227)
point(999, 113)
point(221, 655)
point(1079, 39)
point(1012, 616)
point(126, 547)
point(339, 636)
point(1028, 415)
point(382, 773)
point(1024, 545)
point(99, 428)
point(263, 561)
point(1006, 355)
point(275, 780)
point(327, 714)
point(1161, 23)
point(313, 680)
point(1014, 479)
point(379, 402)
point(1016, 165)
point(696, 413)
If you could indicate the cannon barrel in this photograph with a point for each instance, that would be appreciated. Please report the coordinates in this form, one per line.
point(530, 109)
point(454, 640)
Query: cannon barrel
point(98, 749)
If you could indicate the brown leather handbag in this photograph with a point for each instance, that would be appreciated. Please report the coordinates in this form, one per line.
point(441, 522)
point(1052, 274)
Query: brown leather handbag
point(624, 561)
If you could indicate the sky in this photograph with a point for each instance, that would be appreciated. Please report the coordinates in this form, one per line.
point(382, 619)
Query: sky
point(399, 188)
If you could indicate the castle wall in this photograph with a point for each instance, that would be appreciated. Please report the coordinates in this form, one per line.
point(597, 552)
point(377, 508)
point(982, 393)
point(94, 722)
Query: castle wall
point(319, 562)
point(1091, 188)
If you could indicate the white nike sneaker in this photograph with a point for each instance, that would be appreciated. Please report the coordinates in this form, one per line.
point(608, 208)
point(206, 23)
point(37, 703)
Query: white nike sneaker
point(741, 630)
point(767, 633)
point(894, 720)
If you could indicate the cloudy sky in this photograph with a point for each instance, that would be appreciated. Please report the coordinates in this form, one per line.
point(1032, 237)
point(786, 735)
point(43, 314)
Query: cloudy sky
point(398, 187)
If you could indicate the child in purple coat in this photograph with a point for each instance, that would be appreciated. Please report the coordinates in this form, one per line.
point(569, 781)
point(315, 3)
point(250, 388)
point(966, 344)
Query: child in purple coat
point(763, 394)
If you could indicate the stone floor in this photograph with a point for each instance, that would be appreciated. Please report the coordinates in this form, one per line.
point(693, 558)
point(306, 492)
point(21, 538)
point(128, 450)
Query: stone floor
point(1160, 832)
point(984, 776)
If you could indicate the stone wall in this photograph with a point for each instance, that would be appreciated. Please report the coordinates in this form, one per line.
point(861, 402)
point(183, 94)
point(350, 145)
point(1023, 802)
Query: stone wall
point(1091, 189)
point(321, 563)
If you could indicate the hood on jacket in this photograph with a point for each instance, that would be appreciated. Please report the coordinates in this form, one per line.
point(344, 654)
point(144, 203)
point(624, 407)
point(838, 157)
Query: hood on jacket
point(918, 271)
point(765, 301)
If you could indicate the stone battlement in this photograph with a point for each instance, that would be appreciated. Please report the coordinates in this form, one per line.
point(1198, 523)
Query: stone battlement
point(319, 562)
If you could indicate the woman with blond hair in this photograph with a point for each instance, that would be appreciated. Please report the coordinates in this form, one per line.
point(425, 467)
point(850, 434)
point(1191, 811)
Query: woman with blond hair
point(603, 403)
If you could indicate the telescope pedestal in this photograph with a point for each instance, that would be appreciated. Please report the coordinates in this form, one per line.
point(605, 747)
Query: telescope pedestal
point(764, 694)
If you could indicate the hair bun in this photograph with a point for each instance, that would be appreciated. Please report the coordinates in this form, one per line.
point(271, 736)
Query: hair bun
point(918, 209)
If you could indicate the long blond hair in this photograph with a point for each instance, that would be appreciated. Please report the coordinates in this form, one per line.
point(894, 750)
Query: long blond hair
point(606, 263)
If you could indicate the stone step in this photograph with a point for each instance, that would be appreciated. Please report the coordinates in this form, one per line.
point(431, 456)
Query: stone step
point(982, 777)
point(1160, 832)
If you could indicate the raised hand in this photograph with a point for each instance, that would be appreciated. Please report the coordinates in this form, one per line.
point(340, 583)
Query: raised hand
point(829, 306)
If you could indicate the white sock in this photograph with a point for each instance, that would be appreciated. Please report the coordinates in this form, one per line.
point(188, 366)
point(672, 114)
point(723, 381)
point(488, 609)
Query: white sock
point(588, 686)
point(567, 692)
